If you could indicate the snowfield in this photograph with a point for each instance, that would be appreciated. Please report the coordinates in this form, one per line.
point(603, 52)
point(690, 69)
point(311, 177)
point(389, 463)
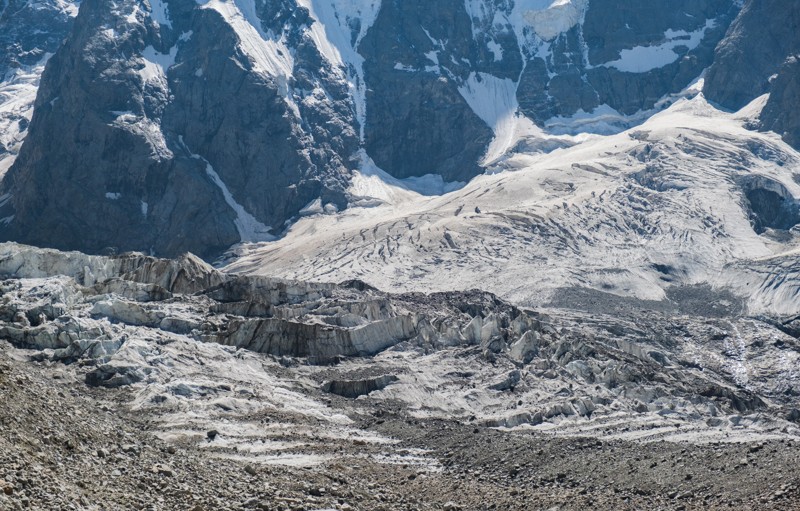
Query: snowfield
point(660, 205)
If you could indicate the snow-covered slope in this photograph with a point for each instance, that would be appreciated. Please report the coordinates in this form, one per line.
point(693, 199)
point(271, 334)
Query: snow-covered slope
point(636, 214)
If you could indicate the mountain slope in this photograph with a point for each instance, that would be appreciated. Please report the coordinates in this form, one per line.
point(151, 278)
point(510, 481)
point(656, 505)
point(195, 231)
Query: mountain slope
point(30, 32)
point(764, 35)
point(681, 200)
point(192, 143)
point(174, 125)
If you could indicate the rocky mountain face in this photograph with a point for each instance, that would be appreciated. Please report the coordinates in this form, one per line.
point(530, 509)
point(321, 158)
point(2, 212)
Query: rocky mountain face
point(781, 114)
point(175, 125)
point(30, 32)
point(191, 143)
point(758, 56)
point(759, 41)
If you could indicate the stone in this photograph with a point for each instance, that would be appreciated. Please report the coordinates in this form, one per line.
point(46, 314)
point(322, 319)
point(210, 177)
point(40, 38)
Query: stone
point(162, 469)
point(780, 113)
point(130, 449)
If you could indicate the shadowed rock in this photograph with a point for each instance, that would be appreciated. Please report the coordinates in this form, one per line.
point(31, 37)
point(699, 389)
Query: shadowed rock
point(355, 388)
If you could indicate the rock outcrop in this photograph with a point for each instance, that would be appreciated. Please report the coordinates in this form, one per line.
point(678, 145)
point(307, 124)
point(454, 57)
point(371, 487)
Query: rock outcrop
point(764, 35)
point(355, 388)
point(781, 114)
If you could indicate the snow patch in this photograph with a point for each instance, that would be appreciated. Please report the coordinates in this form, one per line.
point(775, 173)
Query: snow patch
point(431, 184)
point(113, 195)
point(156, 64)
point(159, 12)
point(496, 50)
point(433, 56)
point(70, 8)
point(312, 208)
point(494, 100)
point(642, 59)
point(371, 186)
point(548, 18)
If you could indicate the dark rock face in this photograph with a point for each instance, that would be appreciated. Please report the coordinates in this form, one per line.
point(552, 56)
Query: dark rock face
point(763, 36)
point(184, 146)
point(31, 30)
point(417, 121)
point(355, 388)
point(781, 113)
point(591, 65)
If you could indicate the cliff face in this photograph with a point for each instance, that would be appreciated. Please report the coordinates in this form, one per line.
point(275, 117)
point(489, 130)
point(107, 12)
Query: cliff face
point(172, 133)
point(762, 37)
point(759, 56)
point(781, 113)
point(174, 125)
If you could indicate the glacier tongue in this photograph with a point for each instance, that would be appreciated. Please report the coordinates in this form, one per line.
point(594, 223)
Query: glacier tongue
point(636, 214)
